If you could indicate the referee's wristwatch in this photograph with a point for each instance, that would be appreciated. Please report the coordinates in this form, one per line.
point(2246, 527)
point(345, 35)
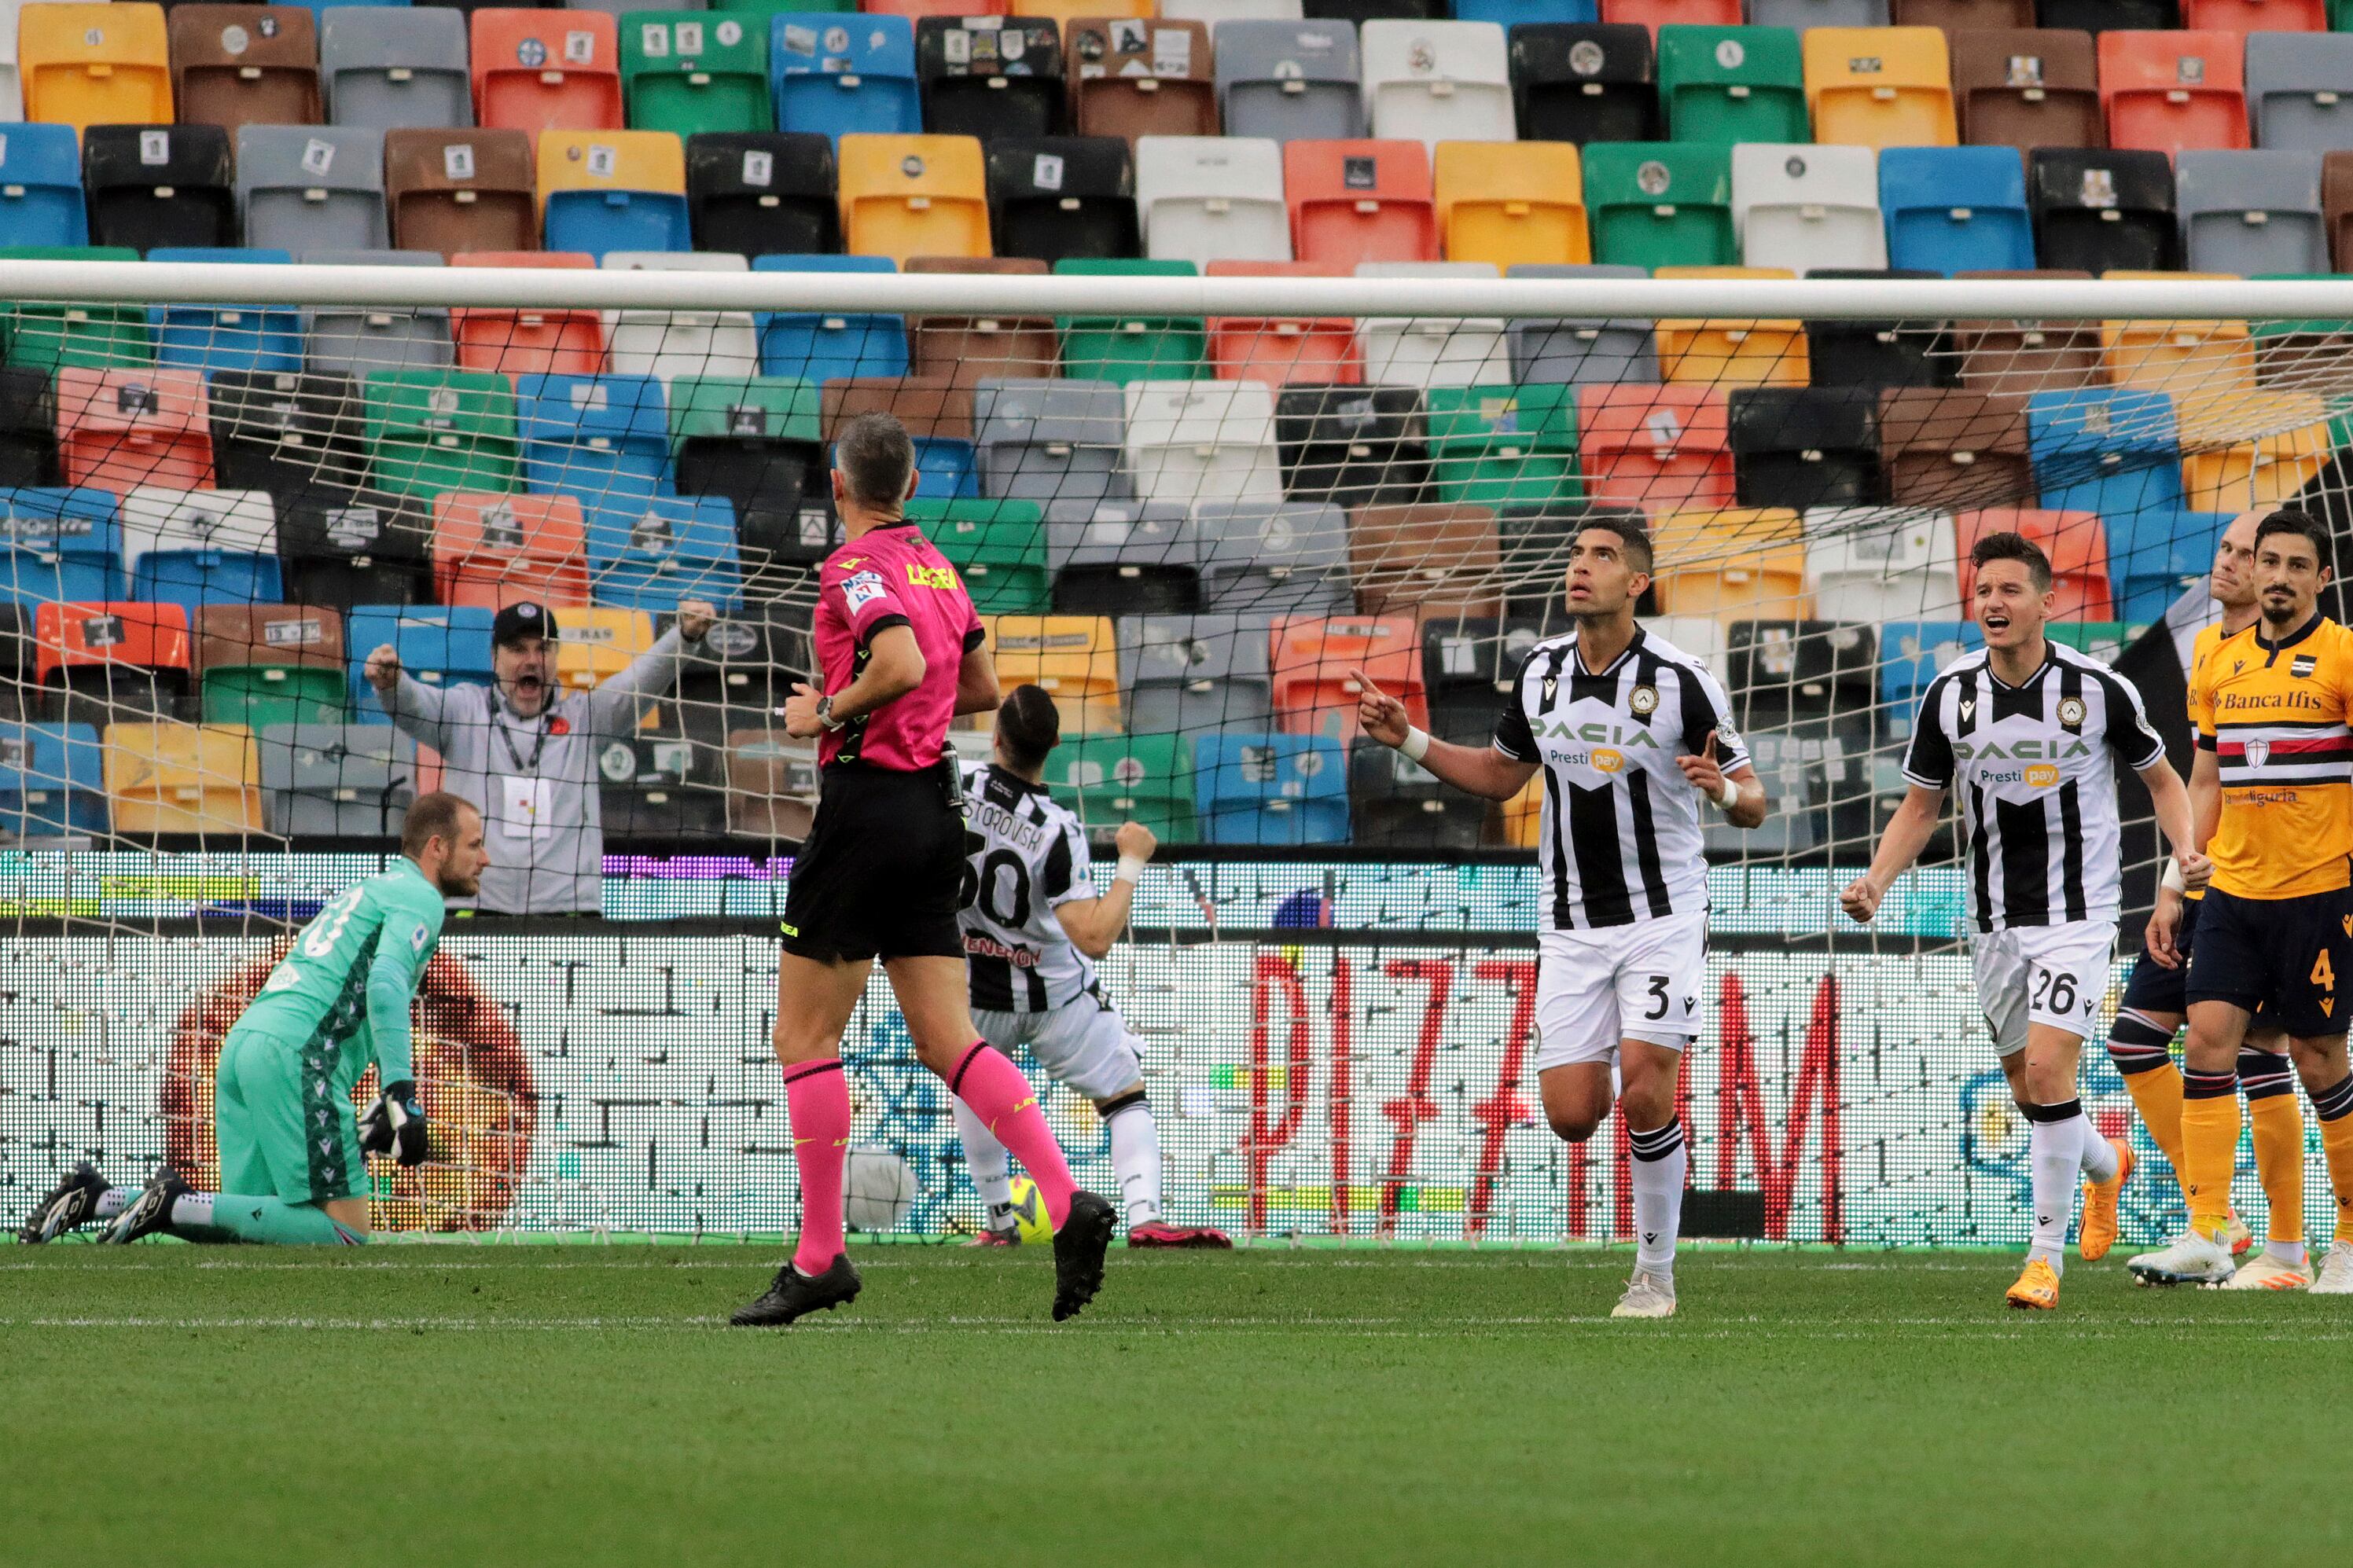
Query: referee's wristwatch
point(825, 713)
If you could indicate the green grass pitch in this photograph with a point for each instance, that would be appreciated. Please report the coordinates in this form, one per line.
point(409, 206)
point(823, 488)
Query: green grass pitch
point(586, 1406)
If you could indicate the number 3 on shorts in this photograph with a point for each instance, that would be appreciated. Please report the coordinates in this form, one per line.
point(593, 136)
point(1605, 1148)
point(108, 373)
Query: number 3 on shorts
point(1658, 995)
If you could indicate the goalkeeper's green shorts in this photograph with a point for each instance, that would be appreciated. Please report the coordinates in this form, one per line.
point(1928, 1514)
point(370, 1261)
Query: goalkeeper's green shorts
point(282, 1124)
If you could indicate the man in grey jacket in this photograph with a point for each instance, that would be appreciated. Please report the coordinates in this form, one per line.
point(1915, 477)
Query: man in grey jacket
point(525, 752)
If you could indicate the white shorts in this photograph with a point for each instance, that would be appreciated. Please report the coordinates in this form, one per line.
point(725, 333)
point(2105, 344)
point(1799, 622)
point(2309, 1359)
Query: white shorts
point(2056, 975)
point(1639, 982)
point(1084, 1043)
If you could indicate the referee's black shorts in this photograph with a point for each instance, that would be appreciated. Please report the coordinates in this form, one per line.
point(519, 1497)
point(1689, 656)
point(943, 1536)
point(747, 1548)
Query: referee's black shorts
point(881, 872)
point(2152, 987)
point(2288, 957)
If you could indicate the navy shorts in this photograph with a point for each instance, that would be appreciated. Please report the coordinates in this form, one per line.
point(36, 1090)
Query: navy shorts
point(2152, 987)
point(2287, 957)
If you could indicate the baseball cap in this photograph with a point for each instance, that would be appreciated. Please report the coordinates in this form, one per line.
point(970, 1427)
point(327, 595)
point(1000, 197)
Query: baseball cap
point(524, 620)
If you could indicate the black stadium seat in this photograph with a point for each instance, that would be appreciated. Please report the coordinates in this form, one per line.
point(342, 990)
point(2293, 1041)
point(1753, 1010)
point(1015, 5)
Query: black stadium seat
point(151, 185)
point(1055, 199)
point(763, 192)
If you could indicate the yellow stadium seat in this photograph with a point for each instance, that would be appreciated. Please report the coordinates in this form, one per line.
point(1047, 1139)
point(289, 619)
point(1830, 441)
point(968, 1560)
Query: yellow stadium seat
point(914, 195)
point(1068, 11)
point(598, 643)
point(613, 190)
point(1511, 202)
point(1733, 353)
point(2178, 356)
point(182, 778)
point(1738, 564)
point(1880, 86)
point(95, 65)
point(2242, 475)
point(1075, 658)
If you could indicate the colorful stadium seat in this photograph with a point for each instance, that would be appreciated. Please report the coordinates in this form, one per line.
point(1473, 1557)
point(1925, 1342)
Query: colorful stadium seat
point(336, 780)
point(2251, 211)
point(427, 431)
point(1202, 441)
point(150, 185)
point(1731, 84)
point(122, 429)
point(1432, 350)
point(937, 414)
point(1876, 565)
point(1660, 204)
point(1432, 561)
point(452, 191)
point(2297, 90)
point(191, 547)
point(998, 546)
point(95, 65)
point(99, 661)
point(1511, 205)
point(1192, 675)
point(676, 547)
point(1129, 347)
point(2242, 474)
point(1211, 198)
point(1123, 557)
point(988, 77)
point(59, 544)
point(840, 80)
point(666, 343)
point(1138, 81)
point(1273, 557)
point(914, 195)
point(1663, 448)
point(1736, 563)
point(523, 342)
point(2178, 356)
point(1436, 81)
point(2166, 91)
point(396, 66)
point(1046, 440)
point(1957, 209)
point(2074, 542)
point(1281, 349)
point(603, 438)
point(41, 187)
point(440, 645)
point(1313, 660)
point(1270, 789)
point(1880, 86)
point(1352, 446)
point(1805, 447)
point(1075, 658)
point(234, 66)
point(1353, 202)
point(817, 346)
point(1599, 349)
point(688, 71)
point(2102, 212)
point(1800, 207)
point(312, 187)
point(763, 192)
point(1055, 197)
point(546, 71)
point(52, 781)
point(2027, 88)
point(207, 337)
point(496, 549)
point(170, 777)
point(602, 191)
point(971, 349)
point(1585, 81)
point(28, 435)
point(753, 440)
point(1951, 447)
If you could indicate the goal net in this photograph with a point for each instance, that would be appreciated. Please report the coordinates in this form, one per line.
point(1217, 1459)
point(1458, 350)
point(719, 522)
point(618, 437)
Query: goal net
point(1190, 508)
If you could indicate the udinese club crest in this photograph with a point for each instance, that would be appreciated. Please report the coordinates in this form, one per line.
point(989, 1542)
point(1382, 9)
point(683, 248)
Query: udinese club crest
point(1644, 702)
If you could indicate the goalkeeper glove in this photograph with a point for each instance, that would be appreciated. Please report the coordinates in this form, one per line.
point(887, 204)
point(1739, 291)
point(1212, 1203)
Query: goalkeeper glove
point(395, 1125)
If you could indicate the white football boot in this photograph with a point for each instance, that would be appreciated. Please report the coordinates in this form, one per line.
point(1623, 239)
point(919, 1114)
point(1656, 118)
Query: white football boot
point(1647, 1296)
point(2191, 1259)
point(2336, 1270)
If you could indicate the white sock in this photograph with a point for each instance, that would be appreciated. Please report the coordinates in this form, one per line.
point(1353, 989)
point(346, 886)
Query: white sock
point(193, 1208)
point(2100, 1161)
point(2055, 1146)
point(991, 1166)
point(1135, 1158)
point(114, 1200)
point(2289, 1252)
point(1661, 1161)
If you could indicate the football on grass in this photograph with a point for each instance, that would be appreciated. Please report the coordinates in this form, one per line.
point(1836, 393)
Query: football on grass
point(878, 1191)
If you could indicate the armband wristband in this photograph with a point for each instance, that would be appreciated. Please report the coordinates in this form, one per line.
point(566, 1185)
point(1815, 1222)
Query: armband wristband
point(1131, 870)
point(1415, 744)
point(2171, 881)
point(1729, 795)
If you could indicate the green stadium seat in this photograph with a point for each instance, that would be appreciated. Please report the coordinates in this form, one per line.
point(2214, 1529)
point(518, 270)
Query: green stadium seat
point(1131, 348)
point(684, 71)
point(1505, 446)
point(1733, 84)
point(1660, 204)
point(999, 546)
point(434, 430)
point(1111, 779)
point(46, 335)
point(2103, 640)
point(255, 695)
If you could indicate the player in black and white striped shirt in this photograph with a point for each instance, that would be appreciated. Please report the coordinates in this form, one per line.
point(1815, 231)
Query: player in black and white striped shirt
point(2028, 733)
point(1034, 924)
point(1632, 736)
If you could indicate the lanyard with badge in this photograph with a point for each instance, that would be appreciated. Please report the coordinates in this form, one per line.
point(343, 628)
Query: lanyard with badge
point(524, 801)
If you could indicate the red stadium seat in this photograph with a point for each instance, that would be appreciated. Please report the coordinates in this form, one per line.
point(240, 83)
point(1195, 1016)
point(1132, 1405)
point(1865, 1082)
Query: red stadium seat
point(1314, 692)
point(547, 70)
point(497, 550)
point(528, 343)
point(1360, 201)
point(1665, 448)
point(2076, 542)
point(118, 429)
point(2256, 16)
point(124, 658)
point(1654, 14)
point(1278, 349)
point(2166, 91)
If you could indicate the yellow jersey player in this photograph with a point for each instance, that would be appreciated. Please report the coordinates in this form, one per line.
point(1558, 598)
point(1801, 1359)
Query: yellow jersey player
point(2274, 713)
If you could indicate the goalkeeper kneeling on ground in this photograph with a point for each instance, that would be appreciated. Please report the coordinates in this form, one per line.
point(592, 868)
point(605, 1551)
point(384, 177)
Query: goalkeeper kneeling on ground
point(292, 1147)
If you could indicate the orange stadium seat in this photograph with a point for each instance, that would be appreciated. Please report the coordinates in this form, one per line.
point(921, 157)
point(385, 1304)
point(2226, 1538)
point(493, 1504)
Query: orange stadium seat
point(1278, 349)
point(546, 71)
point(106, 660)
point(2176, 356)
point(1315, 692)
point(2075, 542)
point(521, 341)
point(1733, 353)
point(1512, 203)
point(1880, 86)
point(1663, 448)
point(1075, 658)
point(497, 550)
point(904, 196)
point(182, 778)
point(1736, 563)
point(1359, 201)
point(119, 429)
point(2166, 91)
point(2223, 472)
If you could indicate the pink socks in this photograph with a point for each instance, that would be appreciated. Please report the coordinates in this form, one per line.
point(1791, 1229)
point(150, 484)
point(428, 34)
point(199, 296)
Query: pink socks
point(997, 1093)
point(817, 1102)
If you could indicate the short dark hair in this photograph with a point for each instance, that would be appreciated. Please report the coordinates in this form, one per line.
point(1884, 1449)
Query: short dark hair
point(2303, 525)
point(435, 815)
point(1633, 533)
point(1029, 726)
point(2009, 546)
point(876, 455)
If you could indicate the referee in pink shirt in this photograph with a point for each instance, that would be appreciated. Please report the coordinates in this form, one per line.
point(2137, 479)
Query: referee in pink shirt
point(902, 653)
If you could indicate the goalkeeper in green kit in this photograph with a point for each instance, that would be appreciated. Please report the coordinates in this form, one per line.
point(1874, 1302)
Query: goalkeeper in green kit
point(291, 1162)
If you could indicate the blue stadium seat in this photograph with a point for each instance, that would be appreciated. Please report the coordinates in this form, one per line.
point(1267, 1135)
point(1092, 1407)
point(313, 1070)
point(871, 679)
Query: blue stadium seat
point(437, 644)
point(2112, 451)
point(1956, 209)
point(843, 74)
point(1910, 654)
point(40, 186)
point(817, 347)
point(2153, 556)
point(264, 338)
point(52, 780)
point(603, 438)
point(671, 548)
point(59, 544)
point(1510, 13)
point(1270, 789)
